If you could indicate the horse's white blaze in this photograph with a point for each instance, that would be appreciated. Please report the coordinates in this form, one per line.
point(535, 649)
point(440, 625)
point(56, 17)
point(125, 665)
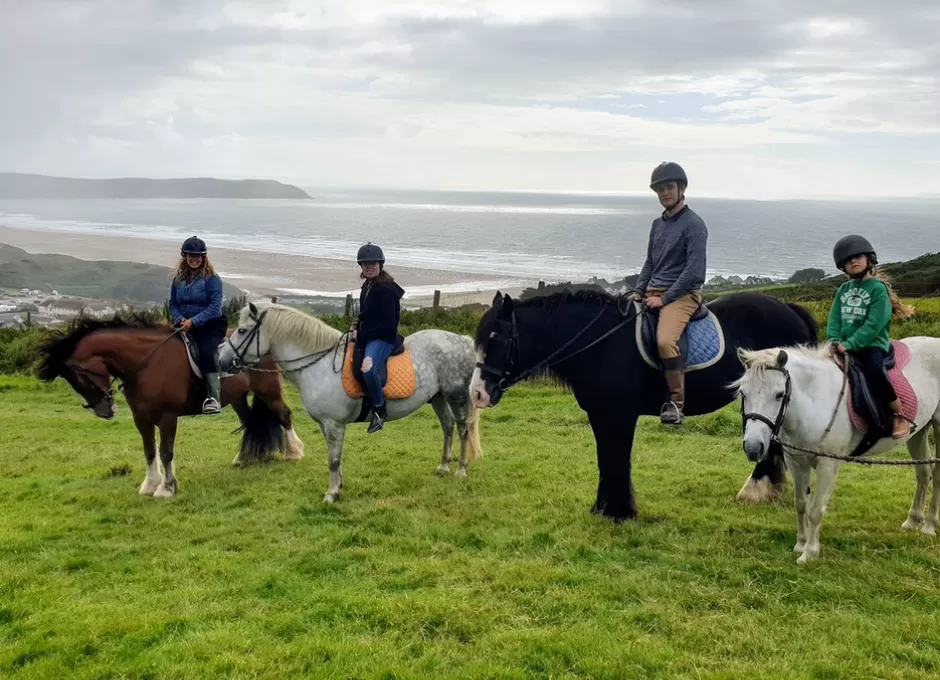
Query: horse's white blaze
point(816, 385)
point(443, 364)
point(478, 395)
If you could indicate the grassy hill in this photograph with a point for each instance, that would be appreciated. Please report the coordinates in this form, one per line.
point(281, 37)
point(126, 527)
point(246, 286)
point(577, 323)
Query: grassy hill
point(127, 281)
point(16, 185)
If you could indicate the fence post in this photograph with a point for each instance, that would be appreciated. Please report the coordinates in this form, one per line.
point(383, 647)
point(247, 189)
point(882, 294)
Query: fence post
point(348, 305)
point(437, 301)
point(274, 299)
point(29, 319)
point(541, 287)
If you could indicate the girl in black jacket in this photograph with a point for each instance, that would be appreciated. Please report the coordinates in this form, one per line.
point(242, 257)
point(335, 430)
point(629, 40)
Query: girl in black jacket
point(377, 327)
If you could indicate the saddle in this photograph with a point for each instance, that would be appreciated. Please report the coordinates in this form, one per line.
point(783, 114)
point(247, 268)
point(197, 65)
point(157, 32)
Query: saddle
point(398, 378)
point(192, 353)
point(702, 343)
point(869, 414)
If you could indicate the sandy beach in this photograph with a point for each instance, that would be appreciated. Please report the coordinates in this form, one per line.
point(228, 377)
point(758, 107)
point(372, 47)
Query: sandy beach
point(260, 273)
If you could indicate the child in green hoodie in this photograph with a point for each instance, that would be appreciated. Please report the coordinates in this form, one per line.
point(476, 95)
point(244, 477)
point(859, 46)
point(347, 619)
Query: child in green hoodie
point(860, 320)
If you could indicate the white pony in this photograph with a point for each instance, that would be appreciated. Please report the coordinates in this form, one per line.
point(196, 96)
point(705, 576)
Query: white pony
point(310, 353)
point(796, 391)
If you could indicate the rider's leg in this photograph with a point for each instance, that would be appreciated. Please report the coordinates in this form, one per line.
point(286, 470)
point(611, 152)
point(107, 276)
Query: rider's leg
point(872, 362)
point(673, 318)
point(373, 372)
point(208, 336)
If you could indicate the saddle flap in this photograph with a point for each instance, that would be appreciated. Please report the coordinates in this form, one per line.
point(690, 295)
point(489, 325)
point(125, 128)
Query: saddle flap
point(702, 343)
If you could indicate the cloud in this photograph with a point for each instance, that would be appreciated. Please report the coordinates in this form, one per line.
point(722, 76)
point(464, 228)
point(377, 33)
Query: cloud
point(491, 94)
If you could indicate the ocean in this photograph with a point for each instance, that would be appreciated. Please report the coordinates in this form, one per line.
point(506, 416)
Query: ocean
point(513, 237)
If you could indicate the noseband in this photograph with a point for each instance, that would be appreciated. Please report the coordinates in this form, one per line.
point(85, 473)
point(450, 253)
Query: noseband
point(774, 425)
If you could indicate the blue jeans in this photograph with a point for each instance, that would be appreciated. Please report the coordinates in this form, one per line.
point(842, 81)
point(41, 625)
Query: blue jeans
point(378, 351)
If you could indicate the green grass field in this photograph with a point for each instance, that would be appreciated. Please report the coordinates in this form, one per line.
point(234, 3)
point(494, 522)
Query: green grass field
point(503, 575)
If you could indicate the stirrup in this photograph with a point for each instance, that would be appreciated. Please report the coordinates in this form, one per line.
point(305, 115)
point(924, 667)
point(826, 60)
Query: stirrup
point(670, 419)
point(210, 406)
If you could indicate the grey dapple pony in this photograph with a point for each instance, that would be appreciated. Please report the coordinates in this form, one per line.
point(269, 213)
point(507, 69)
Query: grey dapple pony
point(310, 353)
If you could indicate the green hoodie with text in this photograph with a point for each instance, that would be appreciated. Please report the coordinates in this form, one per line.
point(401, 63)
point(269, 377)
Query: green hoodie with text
point(861, 315)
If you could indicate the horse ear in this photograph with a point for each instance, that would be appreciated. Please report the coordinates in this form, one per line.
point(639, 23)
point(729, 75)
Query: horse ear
point(742, 357)
point(497, 299)
point(782, 359)
point(253, 309)
point(507, 304)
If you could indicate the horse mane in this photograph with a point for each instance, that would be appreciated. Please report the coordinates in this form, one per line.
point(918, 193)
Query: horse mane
point(56, 348)
point(759, 361)
point(292, 325)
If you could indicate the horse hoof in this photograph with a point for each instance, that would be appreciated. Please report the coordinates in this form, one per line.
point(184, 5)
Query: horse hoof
point(911, 524)
point(929, 530)
point(799, 548)
point(148, 489)
point(758, 491)
point(164, 492)
point(461, 473)
point(237, 462)
point(293, 456)
point(442, 470)
point(805, 557)
point(330, 497)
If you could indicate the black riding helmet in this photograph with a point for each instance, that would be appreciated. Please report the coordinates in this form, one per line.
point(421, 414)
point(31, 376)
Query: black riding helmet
point(667, 171)
point(193, 246)
point(370, 253)
point(849, 246)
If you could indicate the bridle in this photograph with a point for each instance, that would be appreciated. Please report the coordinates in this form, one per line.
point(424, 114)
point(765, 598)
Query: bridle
point(510, 355)
point(777, 423)
point(83, 375)
point(241, 349)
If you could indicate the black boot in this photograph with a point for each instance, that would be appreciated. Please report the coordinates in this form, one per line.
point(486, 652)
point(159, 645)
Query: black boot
point(379, 414)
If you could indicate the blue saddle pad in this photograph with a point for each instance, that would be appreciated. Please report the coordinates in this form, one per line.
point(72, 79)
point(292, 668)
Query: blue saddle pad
point(702, 343)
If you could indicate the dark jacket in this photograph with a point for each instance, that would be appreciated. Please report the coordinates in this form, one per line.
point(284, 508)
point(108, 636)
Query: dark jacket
point(199, 300)
point(379, 312)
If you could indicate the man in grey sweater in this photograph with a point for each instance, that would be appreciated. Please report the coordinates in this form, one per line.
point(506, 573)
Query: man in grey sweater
point(672, 277)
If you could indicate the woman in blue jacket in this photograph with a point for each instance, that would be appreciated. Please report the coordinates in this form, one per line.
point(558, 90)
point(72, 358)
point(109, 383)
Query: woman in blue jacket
point(196, 307)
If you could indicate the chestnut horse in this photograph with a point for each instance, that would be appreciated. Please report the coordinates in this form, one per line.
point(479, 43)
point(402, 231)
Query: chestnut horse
point(150, 361)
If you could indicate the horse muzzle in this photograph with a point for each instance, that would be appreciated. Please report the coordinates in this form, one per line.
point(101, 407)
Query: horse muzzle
point(756, 446)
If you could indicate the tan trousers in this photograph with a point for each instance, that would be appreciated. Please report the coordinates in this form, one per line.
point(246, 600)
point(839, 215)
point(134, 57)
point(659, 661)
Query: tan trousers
point(673, 318)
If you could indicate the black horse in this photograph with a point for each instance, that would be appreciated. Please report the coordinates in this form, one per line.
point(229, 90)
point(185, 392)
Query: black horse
point(588, 341)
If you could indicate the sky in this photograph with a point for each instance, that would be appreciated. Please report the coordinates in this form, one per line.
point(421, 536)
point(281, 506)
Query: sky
point(755, 98)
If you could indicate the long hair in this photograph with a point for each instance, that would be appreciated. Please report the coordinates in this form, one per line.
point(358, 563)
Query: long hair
point(899, 309)
point(182, 269)
point(383, 277)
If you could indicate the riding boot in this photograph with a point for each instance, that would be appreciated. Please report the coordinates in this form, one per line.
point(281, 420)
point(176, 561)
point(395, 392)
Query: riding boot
point(213, 404)
point(379, 414)
point(900, 425)
point(671, 413)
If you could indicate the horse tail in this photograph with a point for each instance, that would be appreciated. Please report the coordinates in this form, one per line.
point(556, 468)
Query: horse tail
point(473, 431)
point(808, 319)
point(262, 433)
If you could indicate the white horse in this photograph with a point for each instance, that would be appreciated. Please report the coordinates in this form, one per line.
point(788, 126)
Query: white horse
point(310, 353)
point(797, 393)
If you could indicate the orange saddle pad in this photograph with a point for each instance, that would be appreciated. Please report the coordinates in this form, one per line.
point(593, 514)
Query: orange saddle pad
point(401, 376)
